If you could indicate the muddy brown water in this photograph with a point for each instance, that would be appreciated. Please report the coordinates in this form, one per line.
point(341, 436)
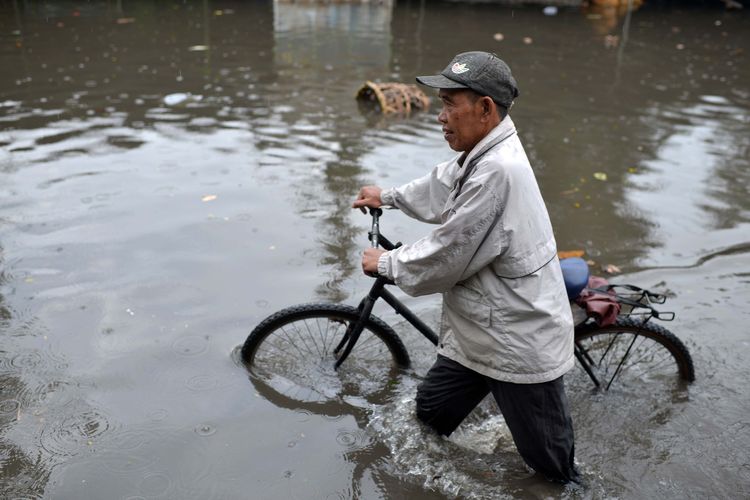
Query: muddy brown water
point(173, 172)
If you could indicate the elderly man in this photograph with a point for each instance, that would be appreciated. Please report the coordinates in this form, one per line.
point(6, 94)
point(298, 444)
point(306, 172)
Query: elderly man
point(506, 325)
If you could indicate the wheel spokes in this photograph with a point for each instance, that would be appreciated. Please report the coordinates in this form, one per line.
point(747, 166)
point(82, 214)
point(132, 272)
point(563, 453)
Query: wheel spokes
point(627, 357)
point(296, 360)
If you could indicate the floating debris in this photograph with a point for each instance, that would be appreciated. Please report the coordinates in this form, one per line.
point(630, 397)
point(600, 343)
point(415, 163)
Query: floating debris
point(611, 269)
point(393, 98)
point(498, 37)
point(208, 197)
point(600, 176)
point(611, 41)
point(198, 48)
point(181, 98)
point(550, 10)
point(567, 254)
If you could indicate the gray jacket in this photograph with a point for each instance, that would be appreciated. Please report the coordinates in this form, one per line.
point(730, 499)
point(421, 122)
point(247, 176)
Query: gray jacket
point(493, 256)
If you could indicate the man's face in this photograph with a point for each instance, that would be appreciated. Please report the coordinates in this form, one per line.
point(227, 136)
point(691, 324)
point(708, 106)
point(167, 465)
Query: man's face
point(461, 118)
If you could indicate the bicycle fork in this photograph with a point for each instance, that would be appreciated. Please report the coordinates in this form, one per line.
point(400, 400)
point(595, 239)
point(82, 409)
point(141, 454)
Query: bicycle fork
point(355, 329)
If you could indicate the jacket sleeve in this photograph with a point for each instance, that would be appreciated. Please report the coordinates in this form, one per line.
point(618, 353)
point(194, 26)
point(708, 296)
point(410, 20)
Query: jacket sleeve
point(449, 254)
point(424, 198)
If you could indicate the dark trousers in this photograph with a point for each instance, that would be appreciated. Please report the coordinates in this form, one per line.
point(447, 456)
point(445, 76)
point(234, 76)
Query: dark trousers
point(536, 414)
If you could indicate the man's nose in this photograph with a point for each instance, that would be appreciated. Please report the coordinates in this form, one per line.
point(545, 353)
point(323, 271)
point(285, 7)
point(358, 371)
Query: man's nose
point(442, 118)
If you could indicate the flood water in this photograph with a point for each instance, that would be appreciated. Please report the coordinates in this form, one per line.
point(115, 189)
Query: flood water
point(173, 172)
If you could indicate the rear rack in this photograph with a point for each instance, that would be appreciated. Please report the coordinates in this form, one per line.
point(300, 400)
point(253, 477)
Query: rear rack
point(636, 301)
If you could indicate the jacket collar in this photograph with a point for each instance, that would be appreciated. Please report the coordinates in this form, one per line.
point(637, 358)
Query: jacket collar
point(502, 131)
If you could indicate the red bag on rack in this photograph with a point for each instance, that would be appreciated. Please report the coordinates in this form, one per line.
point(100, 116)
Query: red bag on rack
point(602, 304)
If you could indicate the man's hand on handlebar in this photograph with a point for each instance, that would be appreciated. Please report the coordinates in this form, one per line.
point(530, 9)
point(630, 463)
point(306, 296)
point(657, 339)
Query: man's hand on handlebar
point(369, 196)
point(370, 260)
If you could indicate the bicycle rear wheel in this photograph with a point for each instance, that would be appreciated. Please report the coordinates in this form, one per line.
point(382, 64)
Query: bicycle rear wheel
point(631, 355)
point(291, 360)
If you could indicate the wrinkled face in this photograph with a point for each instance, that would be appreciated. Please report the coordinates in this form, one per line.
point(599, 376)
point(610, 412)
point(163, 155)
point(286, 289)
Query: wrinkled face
point(462, 118)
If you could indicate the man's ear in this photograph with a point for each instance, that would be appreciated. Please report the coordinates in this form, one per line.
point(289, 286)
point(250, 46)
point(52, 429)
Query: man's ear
point(487, 105)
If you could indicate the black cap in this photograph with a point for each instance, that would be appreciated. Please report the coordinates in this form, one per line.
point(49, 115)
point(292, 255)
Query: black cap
point(482, 72)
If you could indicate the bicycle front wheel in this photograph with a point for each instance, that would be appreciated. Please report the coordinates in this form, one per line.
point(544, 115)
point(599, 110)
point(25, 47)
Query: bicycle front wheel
point(631, 355)
point(290, 356)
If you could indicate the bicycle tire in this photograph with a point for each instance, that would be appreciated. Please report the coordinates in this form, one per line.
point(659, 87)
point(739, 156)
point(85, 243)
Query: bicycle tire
point(290, 354)
point(655, 355)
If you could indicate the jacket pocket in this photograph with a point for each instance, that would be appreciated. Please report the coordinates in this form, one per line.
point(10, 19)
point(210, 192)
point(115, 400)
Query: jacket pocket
point(465, 302)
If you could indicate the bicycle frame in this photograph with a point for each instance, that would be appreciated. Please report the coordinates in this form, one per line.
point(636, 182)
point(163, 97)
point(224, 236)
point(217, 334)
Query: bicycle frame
point(378, 291)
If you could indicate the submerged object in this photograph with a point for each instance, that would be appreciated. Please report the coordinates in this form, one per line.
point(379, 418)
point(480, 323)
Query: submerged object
point(392, 98)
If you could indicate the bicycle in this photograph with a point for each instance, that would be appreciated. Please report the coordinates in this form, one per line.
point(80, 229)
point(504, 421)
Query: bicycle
point(298, 354)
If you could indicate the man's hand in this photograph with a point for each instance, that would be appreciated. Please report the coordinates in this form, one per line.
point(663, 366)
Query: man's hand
point(369, 196)
point(370, 260)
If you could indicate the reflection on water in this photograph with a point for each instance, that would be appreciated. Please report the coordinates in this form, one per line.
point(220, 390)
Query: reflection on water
point(313, 45)
point(173, 172)
point(704, 164)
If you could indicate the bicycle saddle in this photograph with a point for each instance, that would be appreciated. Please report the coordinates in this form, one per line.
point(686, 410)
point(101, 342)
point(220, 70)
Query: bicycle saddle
point(576, 275)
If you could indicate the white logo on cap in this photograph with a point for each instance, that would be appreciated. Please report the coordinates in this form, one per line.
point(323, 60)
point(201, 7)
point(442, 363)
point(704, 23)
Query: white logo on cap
point(459, 68)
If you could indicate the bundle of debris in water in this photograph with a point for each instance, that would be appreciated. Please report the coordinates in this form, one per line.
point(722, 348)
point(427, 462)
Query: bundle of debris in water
point(392, 98)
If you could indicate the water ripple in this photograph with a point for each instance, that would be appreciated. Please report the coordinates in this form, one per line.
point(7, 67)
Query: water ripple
point(158, 415)
point(354, 440)
point(205, 430)
point(203, 382)
point(69, 435)
point(155, 484)
point(303, 415)
point(124, 451)
point(32, 361)
point(9, 406)
point(191, 345)
point(27, 360)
